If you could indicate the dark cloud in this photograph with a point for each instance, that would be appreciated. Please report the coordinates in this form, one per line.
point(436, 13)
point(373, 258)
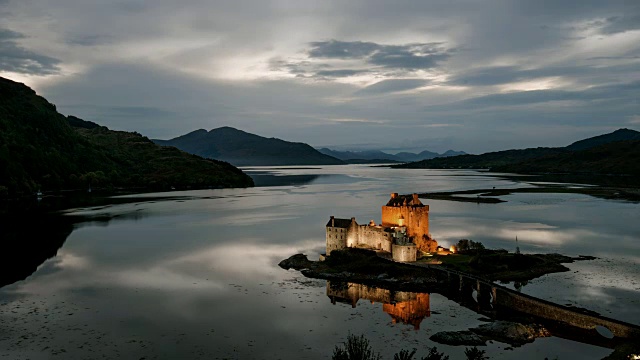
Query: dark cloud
point(406, 57)
point(618, 24)
point(339, 73)
point(359, 57)
point(409, 57)
point(334, 49)
point(392, 85)
point(14, 58)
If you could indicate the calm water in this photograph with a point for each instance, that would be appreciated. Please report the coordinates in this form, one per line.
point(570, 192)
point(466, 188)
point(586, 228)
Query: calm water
point(196, 275)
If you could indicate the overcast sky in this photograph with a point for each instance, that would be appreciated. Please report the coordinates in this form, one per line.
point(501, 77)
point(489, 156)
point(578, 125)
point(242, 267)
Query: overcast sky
point(353, 74)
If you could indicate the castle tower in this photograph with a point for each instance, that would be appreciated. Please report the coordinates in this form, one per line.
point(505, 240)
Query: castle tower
point(410, 212)
point(337, 233)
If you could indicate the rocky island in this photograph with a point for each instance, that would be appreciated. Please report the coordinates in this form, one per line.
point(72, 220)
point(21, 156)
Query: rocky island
point(365, 258)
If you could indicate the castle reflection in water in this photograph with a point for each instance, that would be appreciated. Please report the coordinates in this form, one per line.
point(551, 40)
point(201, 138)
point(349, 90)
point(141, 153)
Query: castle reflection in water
point(404, 307)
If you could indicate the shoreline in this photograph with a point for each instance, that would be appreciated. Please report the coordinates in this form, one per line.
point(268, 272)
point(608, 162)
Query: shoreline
point(492, 196)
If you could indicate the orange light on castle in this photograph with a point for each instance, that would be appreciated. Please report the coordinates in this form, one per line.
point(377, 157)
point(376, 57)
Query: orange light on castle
point(401, 221)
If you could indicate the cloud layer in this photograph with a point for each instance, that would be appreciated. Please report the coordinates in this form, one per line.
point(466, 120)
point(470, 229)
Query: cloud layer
point(16, 59)
point(393, 75)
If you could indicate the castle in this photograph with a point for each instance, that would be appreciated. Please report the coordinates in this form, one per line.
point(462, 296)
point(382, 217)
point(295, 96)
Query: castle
point(403, 231)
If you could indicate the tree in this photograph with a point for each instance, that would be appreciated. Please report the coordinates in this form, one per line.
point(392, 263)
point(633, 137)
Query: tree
point(404, 355)
point(469, 245)
point(475, 354)
point(355, 348)
point(435, 355)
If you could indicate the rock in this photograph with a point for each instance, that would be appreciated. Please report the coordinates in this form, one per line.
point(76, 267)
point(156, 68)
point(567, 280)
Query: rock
point(512, 333)
point(297, 261)
point(456, 338)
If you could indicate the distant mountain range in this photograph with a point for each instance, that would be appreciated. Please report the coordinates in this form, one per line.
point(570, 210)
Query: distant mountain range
point(241, 148)
point(373, 156)
point(613, 153)
point(41, 149)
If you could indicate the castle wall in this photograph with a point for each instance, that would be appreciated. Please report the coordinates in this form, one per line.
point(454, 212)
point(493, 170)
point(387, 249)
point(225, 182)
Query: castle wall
point(404, 253)
point(353, 236)
point(336, 239)
point(374, 237)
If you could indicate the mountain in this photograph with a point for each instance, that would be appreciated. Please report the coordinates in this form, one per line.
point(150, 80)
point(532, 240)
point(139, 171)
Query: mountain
point(612, 153)
point(242, 148)
point(41, 149)
point(618, 135)
point(617, 157)
point(371, 156)
point(367, 155)
point(483, 161)
point(449, 153)
point(408, 156)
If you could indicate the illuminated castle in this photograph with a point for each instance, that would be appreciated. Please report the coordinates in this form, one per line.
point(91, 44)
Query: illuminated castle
point(404, 230)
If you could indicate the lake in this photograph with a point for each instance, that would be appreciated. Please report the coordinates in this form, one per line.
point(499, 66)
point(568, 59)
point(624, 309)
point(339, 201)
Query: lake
point(194, 274)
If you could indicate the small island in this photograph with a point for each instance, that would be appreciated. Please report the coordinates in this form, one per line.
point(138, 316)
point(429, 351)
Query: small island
point(403, 237)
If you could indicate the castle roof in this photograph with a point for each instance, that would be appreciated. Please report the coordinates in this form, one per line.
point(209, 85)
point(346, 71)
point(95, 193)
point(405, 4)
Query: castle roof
point(404, 200)
point(339, 223)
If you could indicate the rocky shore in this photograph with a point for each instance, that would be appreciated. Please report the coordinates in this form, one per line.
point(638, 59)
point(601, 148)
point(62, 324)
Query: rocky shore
point(367, 268)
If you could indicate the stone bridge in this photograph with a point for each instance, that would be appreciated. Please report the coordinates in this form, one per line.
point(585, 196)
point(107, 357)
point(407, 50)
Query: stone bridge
point(487, 297)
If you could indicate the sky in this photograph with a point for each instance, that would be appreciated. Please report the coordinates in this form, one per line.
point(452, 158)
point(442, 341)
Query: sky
point(397, 75)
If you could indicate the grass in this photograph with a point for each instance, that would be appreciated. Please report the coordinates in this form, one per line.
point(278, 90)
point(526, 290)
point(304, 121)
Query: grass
point(499, 265)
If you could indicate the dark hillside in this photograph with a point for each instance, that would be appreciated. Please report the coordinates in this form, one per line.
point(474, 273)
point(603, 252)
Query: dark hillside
point(619, 158)
point(612, 153)
point(618, 135)
point(484, 161)
point(41, 150)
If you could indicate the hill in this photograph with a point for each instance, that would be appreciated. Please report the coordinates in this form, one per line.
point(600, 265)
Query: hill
point(373, 156)
point(618, 157)
point(618, 135)
point(242, 148)
point(41, 149)
point(604, 154)
point(484, 161)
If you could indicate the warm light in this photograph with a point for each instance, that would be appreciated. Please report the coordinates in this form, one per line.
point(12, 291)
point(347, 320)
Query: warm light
point(453, 249)
point(401, 221)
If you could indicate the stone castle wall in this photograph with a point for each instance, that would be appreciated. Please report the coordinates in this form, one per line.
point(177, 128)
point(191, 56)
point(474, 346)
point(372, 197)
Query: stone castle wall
point(371, 236)
point(374, 237)
point(336, 239)
point(404, 253)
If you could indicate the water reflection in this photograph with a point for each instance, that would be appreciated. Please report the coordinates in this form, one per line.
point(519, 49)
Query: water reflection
point(412, 308)
point(192, 273)
point(404, 307)
point(28, 242)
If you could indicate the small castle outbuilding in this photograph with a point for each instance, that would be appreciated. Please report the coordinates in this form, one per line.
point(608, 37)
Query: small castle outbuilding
point(403, 231)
